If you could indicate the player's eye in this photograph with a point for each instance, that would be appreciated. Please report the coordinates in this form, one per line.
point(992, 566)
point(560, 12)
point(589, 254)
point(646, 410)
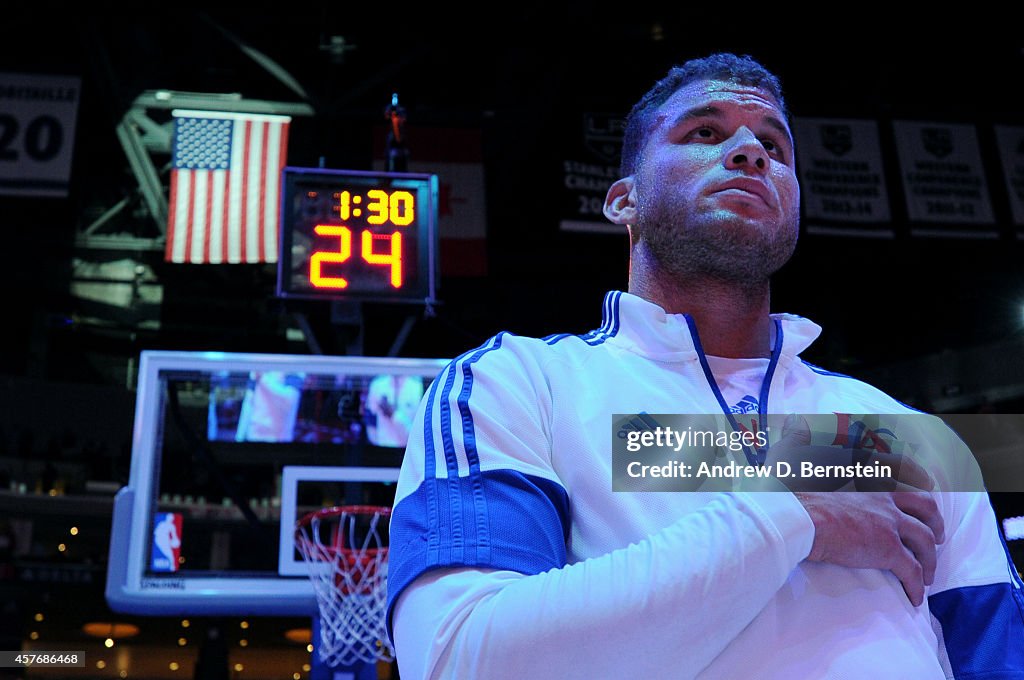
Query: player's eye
point(702, 133)
point(771, 147)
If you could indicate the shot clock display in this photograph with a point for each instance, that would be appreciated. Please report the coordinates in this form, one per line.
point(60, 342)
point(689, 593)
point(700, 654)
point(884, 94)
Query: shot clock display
point(358, 235)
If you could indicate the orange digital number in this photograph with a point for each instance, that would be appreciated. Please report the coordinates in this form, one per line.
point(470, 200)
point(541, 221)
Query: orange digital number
point(402, 208)
point(378, 207)
point(320, 257)
point(344, 207)
point(394, 258)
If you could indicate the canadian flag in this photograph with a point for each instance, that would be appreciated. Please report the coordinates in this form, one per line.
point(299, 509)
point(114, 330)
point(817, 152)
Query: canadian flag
point(455, 155)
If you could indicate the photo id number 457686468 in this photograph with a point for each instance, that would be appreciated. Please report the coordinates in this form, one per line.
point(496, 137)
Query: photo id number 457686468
point(37, 659)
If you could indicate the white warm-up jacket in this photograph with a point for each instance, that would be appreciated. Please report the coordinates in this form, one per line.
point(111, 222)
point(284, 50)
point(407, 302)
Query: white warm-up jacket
point(512, 557)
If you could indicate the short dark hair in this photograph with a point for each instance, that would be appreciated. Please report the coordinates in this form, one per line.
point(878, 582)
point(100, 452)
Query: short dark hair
point(723, 66)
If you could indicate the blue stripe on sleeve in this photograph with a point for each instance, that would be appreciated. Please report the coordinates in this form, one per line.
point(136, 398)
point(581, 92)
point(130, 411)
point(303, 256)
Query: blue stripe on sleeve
point(455, 497)
point(821, 371)
point(471, 495)
point(983, 630)
point(430, 501)
point(527, 526)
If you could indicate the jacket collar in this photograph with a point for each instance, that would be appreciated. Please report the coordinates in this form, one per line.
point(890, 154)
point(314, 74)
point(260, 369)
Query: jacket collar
point(641, 326)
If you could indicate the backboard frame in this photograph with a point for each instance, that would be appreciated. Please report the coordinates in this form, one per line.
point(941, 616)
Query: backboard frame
point(293, 475)
point(129, 589)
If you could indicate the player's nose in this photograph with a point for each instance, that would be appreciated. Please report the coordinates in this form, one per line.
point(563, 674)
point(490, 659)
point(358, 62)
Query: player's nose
point(745, 152)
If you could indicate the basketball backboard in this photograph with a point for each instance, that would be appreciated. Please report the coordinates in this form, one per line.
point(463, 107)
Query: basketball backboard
point(228, 450)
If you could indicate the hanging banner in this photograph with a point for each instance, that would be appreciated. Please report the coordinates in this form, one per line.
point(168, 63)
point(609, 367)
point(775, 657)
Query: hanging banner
point(591, 167)
point(943, 178)
point(841, 177)
point(37, 133)
point(1010, 141)
point(455, 155)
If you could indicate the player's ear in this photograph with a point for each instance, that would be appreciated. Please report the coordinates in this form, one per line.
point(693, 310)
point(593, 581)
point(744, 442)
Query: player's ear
point(620, 203)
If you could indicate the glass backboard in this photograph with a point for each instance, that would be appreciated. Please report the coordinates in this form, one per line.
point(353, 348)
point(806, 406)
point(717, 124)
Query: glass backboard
point(228, 450)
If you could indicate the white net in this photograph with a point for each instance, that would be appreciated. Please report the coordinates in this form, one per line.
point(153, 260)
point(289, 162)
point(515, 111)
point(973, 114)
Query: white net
point(346, 550)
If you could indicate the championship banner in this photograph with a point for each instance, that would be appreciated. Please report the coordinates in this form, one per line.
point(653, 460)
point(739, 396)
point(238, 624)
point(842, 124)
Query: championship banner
point(841, 177)
point(1010, 141)
point(592, 167)
point(37, 133)
point(943, 178)
point(456, 156)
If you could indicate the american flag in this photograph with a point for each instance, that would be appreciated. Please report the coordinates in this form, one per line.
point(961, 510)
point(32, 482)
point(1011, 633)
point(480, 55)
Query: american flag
point(225, 187)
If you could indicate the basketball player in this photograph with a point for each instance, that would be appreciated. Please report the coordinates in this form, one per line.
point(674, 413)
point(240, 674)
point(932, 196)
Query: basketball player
point(511, 557)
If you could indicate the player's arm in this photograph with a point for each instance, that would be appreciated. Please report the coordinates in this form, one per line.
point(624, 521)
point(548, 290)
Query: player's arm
point(672, 601)
point(478, 580)
point(680, 596)
point(977, 599)
point(897, 532)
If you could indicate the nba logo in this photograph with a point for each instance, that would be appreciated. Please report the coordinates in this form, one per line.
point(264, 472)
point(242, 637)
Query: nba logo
point(166, 541)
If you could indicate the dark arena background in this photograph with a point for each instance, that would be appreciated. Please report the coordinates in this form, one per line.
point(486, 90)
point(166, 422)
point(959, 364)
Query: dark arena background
point(914, 272)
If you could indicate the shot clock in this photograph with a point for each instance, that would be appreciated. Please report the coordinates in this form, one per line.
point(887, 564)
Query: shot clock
point(358, 235)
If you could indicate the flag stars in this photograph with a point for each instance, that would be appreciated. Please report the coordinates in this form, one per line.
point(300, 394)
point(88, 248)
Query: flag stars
point(203, 143)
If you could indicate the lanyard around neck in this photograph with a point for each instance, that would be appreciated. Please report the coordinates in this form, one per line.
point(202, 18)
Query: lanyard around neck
point(756, 456)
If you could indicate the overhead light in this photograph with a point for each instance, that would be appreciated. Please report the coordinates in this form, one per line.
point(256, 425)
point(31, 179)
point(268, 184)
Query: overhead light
point(110, 630)
point(300, 635)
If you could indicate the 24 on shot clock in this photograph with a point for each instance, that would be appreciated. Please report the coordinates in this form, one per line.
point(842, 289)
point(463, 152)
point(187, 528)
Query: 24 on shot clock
point(356, 235)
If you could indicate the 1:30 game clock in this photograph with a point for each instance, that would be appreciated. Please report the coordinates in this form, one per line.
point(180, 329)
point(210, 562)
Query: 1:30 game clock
point(358, 235)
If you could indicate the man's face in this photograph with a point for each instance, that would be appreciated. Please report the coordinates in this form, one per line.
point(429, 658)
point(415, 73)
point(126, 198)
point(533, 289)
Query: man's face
point(716, 187)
